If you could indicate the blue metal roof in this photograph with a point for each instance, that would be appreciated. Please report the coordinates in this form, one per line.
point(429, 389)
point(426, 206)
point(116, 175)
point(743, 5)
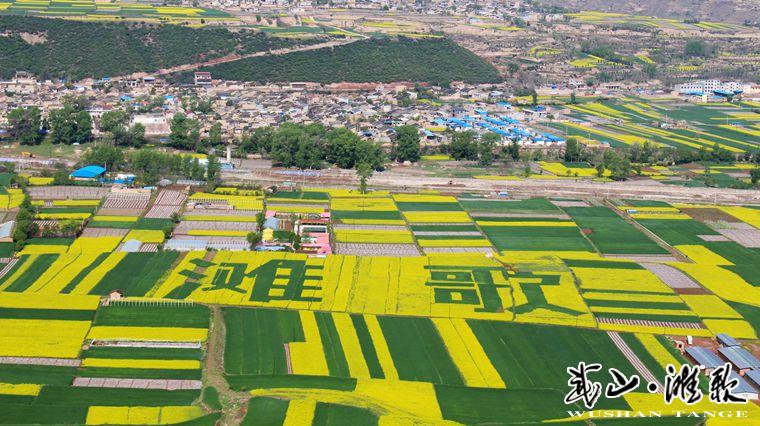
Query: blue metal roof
point(88, 172)
point(704, 357)
point(726, 340)
point(753, 376)
point(740, 357)
point(742, 387)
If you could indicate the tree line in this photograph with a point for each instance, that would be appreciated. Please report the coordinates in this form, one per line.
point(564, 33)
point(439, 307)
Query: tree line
point(75, 50)
point(435, 61)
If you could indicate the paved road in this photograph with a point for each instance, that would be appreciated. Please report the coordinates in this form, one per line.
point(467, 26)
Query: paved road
point(555, 188)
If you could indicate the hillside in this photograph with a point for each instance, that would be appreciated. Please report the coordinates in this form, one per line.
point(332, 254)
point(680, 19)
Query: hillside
point(373, 60)
point(52, 48)
point(737, 11)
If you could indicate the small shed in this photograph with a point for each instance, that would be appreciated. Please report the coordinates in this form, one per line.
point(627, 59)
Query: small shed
point(726, 340)
point(704, 358)
point(6, 232)
point(131, 246)
point(741, 358)
point(91, 172)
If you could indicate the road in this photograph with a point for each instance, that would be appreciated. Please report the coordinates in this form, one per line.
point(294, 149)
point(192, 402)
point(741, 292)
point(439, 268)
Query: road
point(233, 58)
point(398, 180)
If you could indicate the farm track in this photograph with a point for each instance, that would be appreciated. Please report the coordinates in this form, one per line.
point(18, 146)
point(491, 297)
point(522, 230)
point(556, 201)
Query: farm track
point(233, 58)
point(642, 369)
point(675, 253)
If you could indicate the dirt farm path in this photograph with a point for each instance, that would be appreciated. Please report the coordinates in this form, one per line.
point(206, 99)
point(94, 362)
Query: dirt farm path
point(233, 403)
point(233, 58)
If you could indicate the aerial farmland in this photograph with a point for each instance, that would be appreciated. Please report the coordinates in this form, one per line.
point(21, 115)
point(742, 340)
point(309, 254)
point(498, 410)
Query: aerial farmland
point(380, 307)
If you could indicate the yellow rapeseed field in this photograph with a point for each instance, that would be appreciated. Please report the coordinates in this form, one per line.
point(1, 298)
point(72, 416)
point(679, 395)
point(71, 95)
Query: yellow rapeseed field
point(101, 415)
point(309, 357)
point(42, 338)
point(163, 364)
point(168, 334)
point(437, 217)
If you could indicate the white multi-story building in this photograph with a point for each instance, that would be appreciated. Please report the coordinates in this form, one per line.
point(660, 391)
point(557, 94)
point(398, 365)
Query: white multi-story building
point(699, 87)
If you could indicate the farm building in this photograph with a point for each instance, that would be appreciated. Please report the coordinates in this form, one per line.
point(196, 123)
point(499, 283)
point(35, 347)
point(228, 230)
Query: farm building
point(742, 389)
point(726, 341)
point(705, 358)
point(88, 173)
point(740, 358)
point(753, 377)
point(6, 232)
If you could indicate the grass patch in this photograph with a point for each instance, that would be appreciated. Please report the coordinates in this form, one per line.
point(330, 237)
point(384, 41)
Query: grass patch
point(136, 273)
point(196, 316)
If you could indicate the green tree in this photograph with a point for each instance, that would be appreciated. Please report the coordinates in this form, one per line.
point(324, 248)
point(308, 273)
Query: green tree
point(110, 157)
point(573, 150)
point(215, 134)
point(185, 132)
point(486, 148)
point(695, 48)
point(463, 146)
point(573, 100)
point(212, 172)
point(364, 171)
point(513, 149)
point(24, 126)
point(754, 176)
point(406, 147)
point(650, 70)
point(70, 124)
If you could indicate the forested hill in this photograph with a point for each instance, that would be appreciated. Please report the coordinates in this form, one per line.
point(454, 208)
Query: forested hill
point(52, 48)
point(373, 60)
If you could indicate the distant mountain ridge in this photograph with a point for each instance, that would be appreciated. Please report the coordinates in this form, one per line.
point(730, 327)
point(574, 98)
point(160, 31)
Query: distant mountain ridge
point(737, 11)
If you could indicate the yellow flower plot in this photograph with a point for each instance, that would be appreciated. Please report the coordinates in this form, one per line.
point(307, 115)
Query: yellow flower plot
point(241, 202)
point(42, 338)
point(62, 216)
point(739, 329)
point(415, 198)
point(702, 255)
point(96, 244)
point(175, 278)
point(437, 217)
point(745, 214)
point(363, 204)
point(65, 268)
point(438, 285)
point(93, 278)
point(200, 217)
point(370, 236)
point(75, 203)
point(48, 301)
point(43, 249)
point(526, 223)
point(218, 232)
point(300, 412)
point(357, 366)
point(40, 181)
point(19, 389)
point(467, 353)
point(724, 283)
point(475, 242)
point(657, 350)
point(709, 306)
point(630, 280)
point(102, 415)
point(308, 357)
point(115, 218)
point(163, 364)
point(415, 401)
point(168, 334)
point(145, 235)
point(381, 347)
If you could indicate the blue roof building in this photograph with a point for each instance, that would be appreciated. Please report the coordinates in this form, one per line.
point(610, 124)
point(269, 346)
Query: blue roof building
point(741, 358)
point(704, 357)
point(726, 340)
point(88, 172)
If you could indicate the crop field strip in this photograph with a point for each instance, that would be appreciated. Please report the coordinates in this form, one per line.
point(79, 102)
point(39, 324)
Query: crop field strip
point(337, 337)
